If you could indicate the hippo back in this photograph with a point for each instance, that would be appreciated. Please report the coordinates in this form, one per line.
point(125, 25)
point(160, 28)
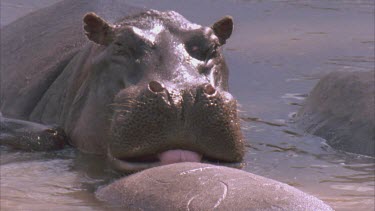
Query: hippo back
point(36, 48)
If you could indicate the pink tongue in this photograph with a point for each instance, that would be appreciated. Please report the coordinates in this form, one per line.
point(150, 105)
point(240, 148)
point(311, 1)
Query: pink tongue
point(176, 156)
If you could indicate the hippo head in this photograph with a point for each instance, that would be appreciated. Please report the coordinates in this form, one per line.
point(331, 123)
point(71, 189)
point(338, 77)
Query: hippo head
point(170, 100)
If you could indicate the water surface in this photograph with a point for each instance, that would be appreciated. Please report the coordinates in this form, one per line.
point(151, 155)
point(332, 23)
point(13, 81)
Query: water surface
point(277, 53)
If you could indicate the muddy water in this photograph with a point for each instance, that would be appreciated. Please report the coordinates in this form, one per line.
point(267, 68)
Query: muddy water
point(277, 53)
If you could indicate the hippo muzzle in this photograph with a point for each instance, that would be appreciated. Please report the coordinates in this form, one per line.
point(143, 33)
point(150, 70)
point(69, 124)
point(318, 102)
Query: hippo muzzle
point(162, 125)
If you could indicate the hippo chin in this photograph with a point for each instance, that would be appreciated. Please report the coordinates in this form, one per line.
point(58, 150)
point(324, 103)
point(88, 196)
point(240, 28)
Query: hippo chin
point(147, 90)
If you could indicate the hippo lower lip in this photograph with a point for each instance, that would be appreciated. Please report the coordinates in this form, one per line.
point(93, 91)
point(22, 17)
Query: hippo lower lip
point(130, 166)
point(164, 158)
point(177, 156)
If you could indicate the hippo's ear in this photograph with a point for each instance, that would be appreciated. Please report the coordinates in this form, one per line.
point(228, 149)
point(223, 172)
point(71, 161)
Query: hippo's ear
point(97, 29)
point(223, 28)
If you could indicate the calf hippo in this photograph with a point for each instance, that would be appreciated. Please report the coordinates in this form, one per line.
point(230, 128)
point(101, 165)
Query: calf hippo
point(146, 90)
point(197, 186)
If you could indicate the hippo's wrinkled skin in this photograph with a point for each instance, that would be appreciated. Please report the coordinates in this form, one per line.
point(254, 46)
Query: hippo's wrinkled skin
point(341, 109)
point(140, 89)
point(196, 186)
point(149, 89)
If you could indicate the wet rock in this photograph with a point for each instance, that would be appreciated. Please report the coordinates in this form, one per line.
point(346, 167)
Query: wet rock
point(197, 186)
point(341, 110)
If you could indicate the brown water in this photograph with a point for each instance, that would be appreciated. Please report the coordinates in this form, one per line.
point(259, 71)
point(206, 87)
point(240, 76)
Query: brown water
point(277, 53)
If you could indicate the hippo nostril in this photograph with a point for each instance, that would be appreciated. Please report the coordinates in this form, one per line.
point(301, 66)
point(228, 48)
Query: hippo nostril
point(155, 86)
point(209, 89)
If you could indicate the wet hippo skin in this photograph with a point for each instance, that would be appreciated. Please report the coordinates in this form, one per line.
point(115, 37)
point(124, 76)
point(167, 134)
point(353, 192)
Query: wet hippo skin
point(31, 136)
point(341, 109)
point(197, 186)
point(142, 87)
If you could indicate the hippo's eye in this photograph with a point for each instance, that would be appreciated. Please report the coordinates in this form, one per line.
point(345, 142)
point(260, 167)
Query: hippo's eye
point(200, 48)
point(132, 50)
point(120, 49)
point(131, 44)
point(197, 52)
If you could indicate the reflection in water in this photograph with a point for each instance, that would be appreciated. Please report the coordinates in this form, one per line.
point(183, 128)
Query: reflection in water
point(296, 96)
point(353, 63)
point(344, 180)
point(277, 53)
point(255, 119)
point(63, 180)
point(293, 149)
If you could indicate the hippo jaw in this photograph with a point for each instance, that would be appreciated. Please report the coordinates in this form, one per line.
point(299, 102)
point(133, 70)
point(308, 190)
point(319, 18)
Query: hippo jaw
point(165, 158)
point(162, 125)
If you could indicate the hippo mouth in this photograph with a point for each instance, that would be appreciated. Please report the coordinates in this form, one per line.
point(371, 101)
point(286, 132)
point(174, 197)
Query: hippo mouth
point(130, 165)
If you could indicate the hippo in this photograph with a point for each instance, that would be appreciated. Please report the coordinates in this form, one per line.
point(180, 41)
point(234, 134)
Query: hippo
point(31, 136)
point(143, 88)
point(148, 89)
point(200, 186)
point(341, 109)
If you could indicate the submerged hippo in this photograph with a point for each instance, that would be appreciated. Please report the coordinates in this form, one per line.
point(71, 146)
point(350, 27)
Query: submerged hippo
point(197, 186)
point(341, 109)
point(31, 136)
point(144, 88)
point(148, 89)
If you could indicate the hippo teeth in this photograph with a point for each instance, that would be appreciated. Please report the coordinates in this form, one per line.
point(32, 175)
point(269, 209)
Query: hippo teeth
point(177, 156)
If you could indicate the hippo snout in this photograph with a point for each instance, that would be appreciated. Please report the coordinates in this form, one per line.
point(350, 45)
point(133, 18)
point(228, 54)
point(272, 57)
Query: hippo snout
point(199, 120)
